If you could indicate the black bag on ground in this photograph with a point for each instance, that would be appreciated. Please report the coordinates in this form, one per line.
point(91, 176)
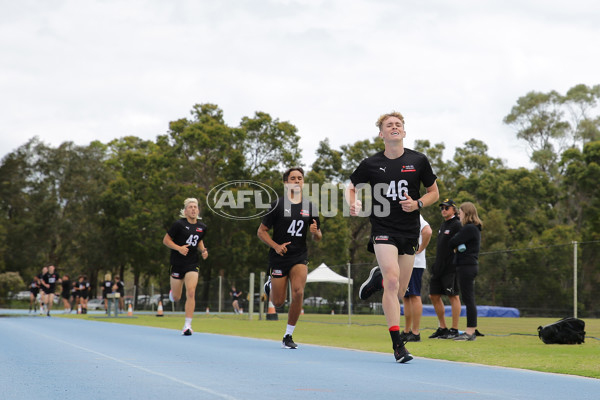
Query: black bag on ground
point(565, 331)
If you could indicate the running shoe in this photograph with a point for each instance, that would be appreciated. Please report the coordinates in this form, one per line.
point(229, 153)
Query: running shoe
point(267, 286)
point(288, 342)
point(465, 337)
point(452, 333)
point(171, 296)
point(439, 333)
point(401, 354)
point(187, 331)
point(372, 285)
point(411, 337)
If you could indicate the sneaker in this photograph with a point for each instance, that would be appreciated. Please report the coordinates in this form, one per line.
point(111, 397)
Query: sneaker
point(411, 337)
point(267, 286)
point(401, 354)
point(404, 335)
point(187, 331)
point(439, 333)
point(372, 285)
point(288, 342)
point(465, 337)
point(171, 296)
point(452, 333)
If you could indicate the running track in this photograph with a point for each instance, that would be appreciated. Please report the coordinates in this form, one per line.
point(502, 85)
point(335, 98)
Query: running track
point(59, 358)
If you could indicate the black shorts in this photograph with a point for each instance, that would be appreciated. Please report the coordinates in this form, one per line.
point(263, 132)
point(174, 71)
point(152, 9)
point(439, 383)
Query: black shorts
point(65, 295)
point(47, 290)
point(35, 292)
point(447, 284)
point(414, 286)
point(282, 268)
point(404, 246)
point(178, 272)
point(84, 294)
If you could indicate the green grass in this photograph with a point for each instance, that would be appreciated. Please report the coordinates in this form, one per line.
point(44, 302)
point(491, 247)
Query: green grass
point(508, 342)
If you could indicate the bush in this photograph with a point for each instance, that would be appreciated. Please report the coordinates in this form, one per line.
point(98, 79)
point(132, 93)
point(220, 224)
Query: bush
point(10, 282)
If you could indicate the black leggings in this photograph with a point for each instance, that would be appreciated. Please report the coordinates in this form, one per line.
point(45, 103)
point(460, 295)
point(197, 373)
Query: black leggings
point(466, 278)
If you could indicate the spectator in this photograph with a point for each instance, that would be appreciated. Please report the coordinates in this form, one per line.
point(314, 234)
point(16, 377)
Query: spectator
point(466, 244)
point(443, 279)
point(413, 305)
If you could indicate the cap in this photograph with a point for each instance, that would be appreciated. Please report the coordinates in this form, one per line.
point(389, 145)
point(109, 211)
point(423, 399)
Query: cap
point(448, 202)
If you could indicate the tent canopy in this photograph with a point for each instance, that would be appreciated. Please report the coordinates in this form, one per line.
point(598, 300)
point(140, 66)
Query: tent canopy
point(324, 274)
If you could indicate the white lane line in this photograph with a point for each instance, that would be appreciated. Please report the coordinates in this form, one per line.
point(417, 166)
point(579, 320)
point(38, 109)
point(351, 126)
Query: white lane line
point(200, 388)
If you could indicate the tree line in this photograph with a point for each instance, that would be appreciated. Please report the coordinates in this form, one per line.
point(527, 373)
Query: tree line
point(105, 207)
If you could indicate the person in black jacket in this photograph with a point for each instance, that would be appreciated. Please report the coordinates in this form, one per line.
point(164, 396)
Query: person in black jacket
point(443, 279)
point(466, 244)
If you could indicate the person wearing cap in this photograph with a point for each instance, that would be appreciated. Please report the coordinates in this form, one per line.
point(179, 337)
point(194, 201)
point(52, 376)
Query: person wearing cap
point(443, 279)
point(395, 176)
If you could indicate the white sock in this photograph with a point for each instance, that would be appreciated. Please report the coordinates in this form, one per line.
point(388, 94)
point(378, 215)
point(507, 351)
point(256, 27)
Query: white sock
point(289, 330)
point(188, 323)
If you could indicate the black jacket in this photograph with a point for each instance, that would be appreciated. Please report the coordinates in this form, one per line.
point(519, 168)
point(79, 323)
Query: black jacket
point(470, 236)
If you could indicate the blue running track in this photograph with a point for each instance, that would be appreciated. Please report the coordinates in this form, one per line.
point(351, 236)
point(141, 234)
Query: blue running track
point(59, 358)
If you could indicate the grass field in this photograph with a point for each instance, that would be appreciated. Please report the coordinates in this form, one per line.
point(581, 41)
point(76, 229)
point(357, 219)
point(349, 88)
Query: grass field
point(508, 342)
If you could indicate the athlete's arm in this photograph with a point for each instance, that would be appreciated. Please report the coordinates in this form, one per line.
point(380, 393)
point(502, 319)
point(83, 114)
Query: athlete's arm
point(429, 198)
point(316, 232)
point(203, 250)
point(350, 196)
point(167, 241)
point(263, 234)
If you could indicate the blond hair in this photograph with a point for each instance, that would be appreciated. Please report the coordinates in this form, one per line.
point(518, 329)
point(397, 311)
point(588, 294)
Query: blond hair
point(185, 204)
point(107, 277)
point(382, 118)
point(470, 214)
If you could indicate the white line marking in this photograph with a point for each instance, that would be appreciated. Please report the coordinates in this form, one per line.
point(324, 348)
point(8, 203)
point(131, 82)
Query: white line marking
point(200, 388)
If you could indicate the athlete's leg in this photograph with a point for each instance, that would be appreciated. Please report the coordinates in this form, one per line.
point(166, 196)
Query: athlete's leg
point(297, 278)
point(191, 281)
point(176, 288)
point(50, 301)
point(278, 290)
point(387, 258)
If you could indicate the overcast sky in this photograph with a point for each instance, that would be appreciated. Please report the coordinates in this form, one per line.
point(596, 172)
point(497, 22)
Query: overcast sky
point(79, 70)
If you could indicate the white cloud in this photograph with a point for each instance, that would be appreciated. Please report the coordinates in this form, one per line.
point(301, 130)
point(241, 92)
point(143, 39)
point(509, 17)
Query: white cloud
point(99, 70)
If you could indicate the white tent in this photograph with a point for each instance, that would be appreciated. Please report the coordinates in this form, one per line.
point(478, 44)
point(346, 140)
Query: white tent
point(324, 274)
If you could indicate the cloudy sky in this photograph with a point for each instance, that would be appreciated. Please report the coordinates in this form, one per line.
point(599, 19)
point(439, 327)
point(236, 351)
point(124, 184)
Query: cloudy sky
point(83, 70)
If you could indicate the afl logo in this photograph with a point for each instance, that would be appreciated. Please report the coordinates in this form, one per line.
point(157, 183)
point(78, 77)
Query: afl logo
point(241, 199)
